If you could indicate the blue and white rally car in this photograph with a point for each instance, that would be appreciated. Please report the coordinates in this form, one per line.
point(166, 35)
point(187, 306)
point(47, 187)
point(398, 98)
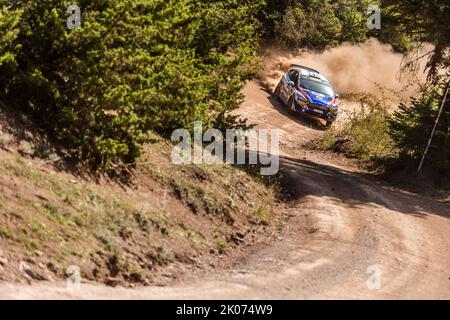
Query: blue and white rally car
point(305, 90)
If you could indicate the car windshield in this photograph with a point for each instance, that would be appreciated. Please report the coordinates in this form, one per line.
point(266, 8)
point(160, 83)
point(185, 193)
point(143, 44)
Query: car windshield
point(316, 86)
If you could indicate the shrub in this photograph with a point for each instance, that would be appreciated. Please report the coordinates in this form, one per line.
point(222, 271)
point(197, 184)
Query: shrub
point(9, 18)
point(364, 136)
point(313, 24)
point(411, 127)
point(133, 66)
point(352, 15)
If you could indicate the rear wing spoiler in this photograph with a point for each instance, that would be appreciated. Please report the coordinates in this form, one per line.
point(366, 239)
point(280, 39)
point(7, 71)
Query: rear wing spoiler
point(303, 67)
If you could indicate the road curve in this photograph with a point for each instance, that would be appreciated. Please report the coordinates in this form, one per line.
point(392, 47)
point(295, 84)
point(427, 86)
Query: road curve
point(349, 236)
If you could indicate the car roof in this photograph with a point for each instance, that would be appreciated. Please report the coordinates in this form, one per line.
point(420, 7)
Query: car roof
point(309, 72)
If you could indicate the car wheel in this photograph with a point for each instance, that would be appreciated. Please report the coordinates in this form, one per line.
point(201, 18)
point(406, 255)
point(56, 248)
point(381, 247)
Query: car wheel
point(277, 91)
point(328, 124)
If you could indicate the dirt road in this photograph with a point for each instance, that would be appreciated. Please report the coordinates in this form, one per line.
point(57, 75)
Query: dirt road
point(363, 238)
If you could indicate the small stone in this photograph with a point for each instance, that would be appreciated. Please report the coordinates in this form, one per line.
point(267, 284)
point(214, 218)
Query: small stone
point(240, 235)
point(146, 282)
point(112, 282)
point(3, 261)
point(36, 276)
point(39, 253)
point(237, 239)
point(51, 266)
point(23, 266)
point(30, 260)
point(28, 273)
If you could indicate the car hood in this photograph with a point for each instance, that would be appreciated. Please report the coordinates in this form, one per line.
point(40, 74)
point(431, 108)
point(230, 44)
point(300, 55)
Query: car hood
point(319, 98)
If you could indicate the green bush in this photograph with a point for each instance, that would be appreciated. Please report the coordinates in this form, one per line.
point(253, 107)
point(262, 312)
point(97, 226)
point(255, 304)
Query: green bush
point(411, 128)
point(9, 18)
point(352, 15)
point(364, 136)
point(313, 24)
point(133, 66)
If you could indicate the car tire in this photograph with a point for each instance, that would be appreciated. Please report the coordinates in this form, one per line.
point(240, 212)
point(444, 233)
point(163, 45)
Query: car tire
point(277, 91)
point(328, 124)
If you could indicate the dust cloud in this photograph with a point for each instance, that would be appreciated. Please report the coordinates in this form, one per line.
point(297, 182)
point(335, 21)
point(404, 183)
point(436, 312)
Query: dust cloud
point(371, 67)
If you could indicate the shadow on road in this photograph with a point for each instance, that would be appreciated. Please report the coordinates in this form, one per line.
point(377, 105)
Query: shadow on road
point(302, 119)
point(353, 189)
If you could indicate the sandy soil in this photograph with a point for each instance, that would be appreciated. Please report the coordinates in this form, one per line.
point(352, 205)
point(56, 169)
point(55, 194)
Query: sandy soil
point(348, 235)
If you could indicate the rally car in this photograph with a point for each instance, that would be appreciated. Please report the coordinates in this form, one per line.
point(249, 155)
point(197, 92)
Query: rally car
point(305, 90)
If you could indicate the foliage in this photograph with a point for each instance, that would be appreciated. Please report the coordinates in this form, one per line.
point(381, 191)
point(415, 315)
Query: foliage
point(420, 21)
point(9, 19)
point(353, 18)
point(364, 136)
point(316, 24)
point(412, 124)
point(133, 66)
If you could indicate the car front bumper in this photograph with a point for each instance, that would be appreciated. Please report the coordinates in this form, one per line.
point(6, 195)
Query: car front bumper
point(305, 107)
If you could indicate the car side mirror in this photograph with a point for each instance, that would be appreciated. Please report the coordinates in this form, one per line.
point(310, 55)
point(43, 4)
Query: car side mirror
point(336, 95)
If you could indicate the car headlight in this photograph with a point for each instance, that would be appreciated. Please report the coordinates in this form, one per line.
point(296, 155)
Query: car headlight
point(335, 108)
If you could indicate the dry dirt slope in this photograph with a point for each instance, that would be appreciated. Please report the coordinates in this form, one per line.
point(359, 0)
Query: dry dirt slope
point(159, 223)
point(355, 223)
